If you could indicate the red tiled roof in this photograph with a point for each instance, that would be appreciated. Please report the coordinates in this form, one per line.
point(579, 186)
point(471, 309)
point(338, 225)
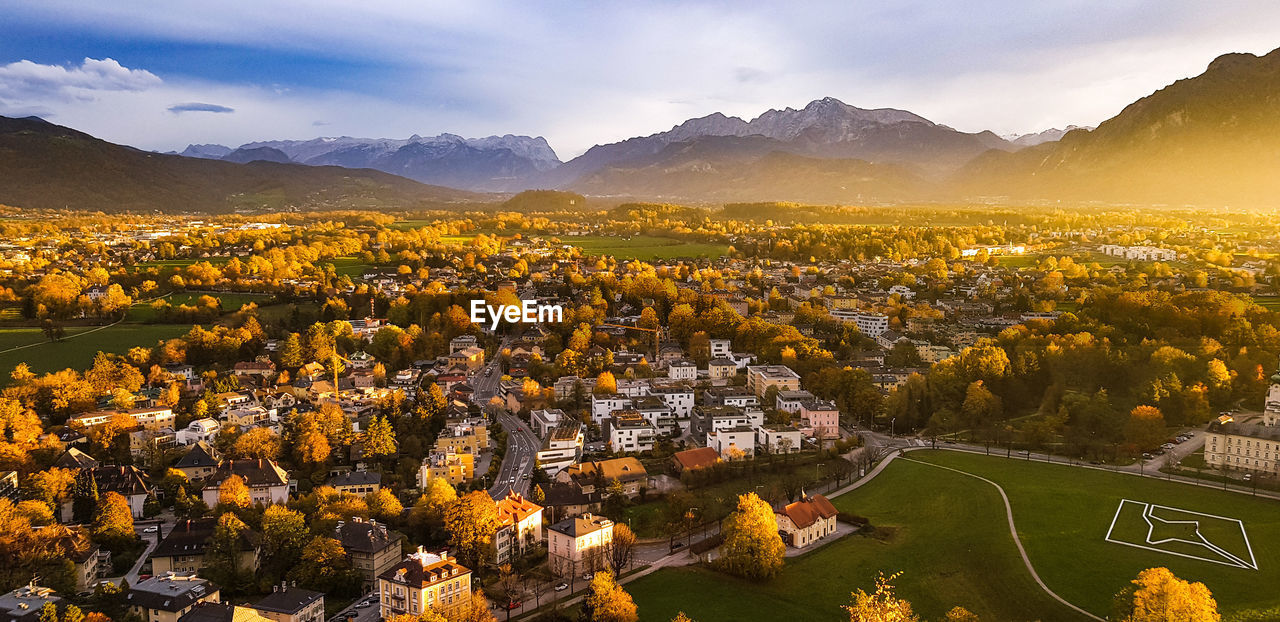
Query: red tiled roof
point(697, 458)
point(807, 511)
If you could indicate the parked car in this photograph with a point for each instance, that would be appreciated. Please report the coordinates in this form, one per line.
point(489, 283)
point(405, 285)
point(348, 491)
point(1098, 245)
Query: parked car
point(151, 529)
point(562, 587)
point(1248, 477)
point(515, 604)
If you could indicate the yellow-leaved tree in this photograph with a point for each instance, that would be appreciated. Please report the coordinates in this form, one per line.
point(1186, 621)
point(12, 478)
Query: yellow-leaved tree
point(1157, 595)
point(881, 605)
point(752, 547)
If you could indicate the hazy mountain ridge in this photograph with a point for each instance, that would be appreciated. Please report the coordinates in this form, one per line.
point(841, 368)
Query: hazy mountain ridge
point(1213, 138)
point(43, 165)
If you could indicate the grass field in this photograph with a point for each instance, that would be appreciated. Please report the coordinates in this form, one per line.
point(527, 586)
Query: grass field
point(77, 352)
point(947, 533)
point(231, 301)
point(1270, 303)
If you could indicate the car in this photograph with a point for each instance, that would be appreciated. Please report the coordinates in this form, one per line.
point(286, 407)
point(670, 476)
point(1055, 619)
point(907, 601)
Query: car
point(143, 577)
point(1146, 456)
point(363, 604)
point(525, 476)
point(1248, 477)
point(515, 604)
point(586, 576)
point(151, 529)
point(562, 587)
point(677, 545)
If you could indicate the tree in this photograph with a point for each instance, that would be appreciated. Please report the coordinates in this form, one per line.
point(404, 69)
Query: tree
point(284, 533)
point(1145, 427)
point(752, 547)
point(880, 606)
point(471, 521)
point(621, 550)
point(606, 384)
point(291, 352)
point(325, 568)
point(981, 406)
point(379, 439)
point(1157, 595)
point(960, 614)
point(257, 443)
point(234, 493)
point(222, 556)
point(383, 504)
point(113, 522)
point(606, 601)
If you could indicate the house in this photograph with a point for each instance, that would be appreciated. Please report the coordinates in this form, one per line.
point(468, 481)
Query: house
point(677, 397)
point(590, 476)
point(822, 417)
point(356, 482)
point(707, 420)
point(25, 603)
point(698, 458)
point(462, 342)
point(733, 443)
point(75, 460)
point(521, 527)
point(470, 358)
point(261, 368)
point(424, 581)
point(628, 431)
point(267, 482)
point(721, 368)
point(604, 405)
point(543, 420)
point(199, 431)
point(721, 348)
point(127, 481)
point(577, 545)
point(806, 521)
point(561, 448)
point(456, 468)
point(790, 401)
point(777, 438)
point(370, 546)
point(888, 338)
point(291, 604)
point(761, 377)
point(683, 369)
point(166, 598)
point(199, 462)
point(183, 549)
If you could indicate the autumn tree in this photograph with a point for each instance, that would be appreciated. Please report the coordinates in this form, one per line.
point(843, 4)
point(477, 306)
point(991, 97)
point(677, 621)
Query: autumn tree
point(284, 534)
point(752, 547)
point(383, 505)
point(606, 601)
point(324, 567)
point(881, 605)
point(113, 522)
point(606, 383)
point(222, 555)
point(379, 439)
point(233, 492)
point(1145, 427)
point(257, 443)
point(1157, 595)
point(621, 549)
point(471, 521)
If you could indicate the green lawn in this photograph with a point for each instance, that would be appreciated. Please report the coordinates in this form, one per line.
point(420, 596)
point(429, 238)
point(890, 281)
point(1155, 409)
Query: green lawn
point(1270, 303)
point(946, 532)
point(231, 301)
point(644, 247)
point(78, 352)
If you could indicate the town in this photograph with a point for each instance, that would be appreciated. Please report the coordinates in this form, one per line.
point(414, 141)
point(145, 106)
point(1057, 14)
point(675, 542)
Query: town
point(298, 417)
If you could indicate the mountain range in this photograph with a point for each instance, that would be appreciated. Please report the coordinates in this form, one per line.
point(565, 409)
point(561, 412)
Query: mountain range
point(43, 165)
point(1210, 139)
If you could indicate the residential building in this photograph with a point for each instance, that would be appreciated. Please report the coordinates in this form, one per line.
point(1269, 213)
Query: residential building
point(683, 369)
point(710, 419)
point(806, 521)
point(520, 530)
point(761, 377)
point(1249, 447)
point(470, 358)
point(578, 545)
point(199, 431)
point(678, 397)
point(733, 443)
point(456, 468)
point(822, 417)
point(25, 603)
point(182, 550)
point(604, 405)
point(721, 369)
point(627, 430)
point(561, 448)
point(424, 581)
point(778, 438)
point(543, 420)
point(127, 481)
point(291, 604)
point(721, 348)
point(200, 461)
point(598, 475)
point(692, 459)
point(356, 482)
point(267, 482)
point(166, 598)
point(791, 401)
point(370, 546)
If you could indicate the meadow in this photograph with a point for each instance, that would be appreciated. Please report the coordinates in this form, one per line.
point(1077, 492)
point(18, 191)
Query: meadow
point(79, 346)
point(947, 535)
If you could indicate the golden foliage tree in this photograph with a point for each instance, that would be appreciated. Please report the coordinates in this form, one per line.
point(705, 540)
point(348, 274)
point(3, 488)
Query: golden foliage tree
point(606, 601)
point(233, 492)
point(752, 547)
point(1157, 595)
point(113, 520)
point(471, 521)
point(881, 605)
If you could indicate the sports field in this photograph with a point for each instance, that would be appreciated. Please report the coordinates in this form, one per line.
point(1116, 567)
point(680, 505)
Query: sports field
point(947, 533)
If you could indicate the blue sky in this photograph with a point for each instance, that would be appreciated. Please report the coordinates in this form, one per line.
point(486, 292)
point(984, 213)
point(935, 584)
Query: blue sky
point(579, 73)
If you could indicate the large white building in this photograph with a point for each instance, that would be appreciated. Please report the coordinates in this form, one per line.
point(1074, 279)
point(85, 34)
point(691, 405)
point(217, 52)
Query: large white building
point(1250, 447)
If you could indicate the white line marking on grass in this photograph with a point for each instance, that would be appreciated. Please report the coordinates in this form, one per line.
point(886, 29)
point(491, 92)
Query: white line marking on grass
point(1148, 516)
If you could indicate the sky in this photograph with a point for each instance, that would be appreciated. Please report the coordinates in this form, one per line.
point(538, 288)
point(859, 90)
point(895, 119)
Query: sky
point(163, 75)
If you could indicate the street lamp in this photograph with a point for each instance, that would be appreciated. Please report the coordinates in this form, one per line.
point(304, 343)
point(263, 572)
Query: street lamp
point(892, 421)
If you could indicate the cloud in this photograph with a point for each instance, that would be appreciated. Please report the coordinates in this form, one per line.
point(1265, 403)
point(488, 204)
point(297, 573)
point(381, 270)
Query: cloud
point(199, 107)
point(26, 80)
